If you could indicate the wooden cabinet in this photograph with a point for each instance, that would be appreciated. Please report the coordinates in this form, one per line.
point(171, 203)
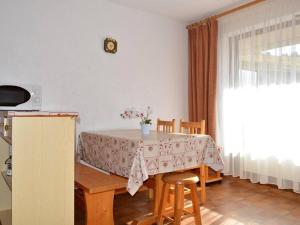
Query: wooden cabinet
point(42, 191)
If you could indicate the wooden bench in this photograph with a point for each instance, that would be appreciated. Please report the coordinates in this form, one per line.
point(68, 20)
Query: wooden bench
point(99, 190)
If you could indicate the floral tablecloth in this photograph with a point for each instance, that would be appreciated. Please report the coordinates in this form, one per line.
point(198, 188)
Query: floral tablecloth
point(130, 154)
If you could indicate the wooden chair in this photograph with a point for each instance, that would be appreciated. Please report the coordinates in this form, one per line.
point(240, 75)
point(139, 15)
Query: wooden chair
point(196, 128)
point(180, 181)
point(192, 127)
point(167, 126)
point(199, 128)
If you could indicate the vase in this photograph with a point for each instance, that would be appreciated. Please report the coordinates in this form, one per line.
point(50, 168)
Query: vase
point(145, 128)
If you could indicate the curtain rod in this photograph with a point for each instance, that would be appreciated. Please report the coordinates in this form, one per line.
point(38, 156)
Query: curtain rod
point(225, 13)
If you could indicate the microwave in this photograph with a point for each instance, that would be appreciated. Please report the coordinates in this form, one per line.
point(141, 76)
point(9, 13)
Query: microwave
point(20, 97)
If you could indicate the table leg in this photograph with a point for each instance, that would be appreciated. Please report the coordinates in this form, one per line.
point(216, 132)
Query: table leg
point(203, 184)
point(99, 208)
point(152, 217)
point(157, 192)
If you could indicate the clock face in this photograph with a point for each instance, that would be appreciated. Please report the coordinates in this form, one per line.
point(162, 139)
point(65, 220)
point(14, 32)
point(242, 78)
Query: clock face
point(110, 45)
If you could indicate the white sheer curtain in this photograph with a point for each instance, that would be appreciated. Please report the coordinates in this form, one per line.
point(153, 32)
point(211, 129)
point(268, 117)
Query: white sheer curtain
point(259, 93)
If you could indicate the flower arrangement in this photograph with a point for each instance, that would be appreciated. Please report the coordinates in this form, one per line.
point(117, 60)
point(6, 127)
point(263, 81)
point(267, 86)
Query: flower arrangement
point(132, 113)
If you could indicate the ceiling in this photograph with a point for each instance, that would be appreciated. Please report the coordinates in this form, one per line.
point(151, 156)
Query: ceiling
point(183, 10)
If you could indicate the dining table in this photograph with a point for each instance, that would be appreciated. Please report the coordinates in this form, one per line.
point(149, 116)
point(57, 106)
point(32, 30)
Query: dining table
point(130, 154)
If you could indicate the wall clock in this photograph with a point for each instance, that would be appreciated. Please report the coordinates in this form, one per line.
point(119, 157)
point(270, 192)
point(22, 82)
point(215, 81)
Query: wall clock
point(110, 45)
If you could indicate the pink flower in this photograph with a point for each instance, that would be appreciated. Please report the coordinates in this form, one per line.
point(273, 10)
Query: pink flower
point(133, 113)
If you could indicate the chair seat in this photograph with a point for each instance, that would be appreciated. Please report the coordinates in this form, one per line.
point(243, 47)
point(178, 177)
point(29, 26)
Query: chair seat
point(184, 178)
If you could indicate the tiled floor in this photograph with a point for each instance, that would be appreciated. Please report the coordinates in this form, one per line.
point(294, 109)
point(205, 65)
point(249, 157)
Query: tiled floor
point(233, 202)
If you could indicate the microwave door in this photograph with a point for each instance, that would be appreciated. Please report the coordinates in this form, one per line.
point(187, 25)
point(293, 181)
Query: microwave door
point(12, 96)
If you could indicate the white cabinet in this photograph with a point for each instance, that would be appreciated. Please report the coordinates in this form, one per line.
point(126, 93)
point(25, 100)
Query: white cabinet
point(42, 191)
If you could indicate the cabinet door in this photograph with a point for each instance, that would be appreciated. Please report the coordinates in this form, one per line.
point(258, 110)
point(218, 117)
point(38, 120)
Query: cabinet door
point(43, 171)
point(5, 194)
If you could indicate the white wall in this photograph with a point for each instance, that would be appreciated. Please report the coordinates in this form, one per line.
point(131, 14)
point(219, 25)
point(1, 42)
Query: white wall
point(59, 45)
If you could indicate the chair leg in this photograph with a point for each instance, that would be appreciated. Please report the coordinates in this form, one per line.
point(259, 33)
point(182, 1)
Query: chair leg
point(179, 203)
point(197, 213)
point(163, 201)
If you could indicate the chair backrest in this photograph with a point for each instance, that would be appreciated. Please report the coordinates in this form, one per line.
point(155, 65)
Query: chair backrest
point(192, 127)
point(167, 126)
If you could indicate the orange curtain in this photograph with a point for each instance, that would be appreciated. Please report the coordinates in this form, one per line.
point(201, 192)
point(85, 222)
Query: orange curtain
point(203, 74)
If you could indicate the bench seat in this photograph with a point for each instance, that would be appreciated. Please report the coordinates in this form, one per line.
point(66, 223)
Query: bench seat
point(93, 181)
point(99, 190)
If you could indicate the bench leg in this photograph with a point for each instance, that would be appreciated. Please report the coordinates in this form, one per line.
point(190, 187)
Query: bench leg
point(99, 208)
